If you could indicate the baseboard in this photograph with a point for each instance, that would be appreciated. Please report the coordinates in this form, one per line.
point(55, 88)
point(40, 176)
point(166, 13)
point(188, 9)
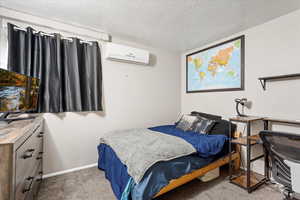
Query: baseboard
point(69, 170)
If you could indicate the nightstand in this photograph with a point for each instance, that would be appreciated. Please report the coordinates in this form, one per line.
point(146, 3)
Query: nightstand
point(247, 179)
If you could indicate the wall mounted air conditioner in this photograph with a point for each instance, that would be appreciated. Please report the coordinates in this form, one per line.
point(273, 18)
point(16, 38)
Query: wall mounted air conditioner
point(124, 53)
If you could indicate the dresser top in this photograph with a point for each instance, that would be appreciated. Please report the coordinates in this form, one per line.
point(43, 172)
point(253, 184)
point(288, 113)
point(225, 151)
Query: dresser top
point(15, 130)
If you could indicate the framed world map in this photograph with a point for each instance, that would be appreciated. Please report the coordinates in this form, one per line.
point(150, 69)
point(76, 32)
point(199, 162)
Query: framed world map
point(216, 68)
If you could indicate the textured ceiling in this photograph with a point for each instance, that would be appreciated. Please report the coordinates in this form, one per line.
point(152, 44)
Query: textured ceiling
point(175, 25)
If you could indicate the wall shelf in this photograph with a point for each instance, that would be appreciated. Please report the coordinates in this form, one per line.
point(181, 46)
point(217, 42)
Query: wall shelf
point(263, 80)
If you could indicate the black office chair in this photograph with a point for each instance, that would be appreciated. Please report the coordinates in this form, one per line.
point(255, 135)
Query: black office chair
point(280, 147)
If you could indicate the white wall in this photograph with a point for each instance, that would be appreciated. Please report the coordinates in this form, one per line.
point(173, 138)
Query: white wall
point(272, 48)
point(134, 96)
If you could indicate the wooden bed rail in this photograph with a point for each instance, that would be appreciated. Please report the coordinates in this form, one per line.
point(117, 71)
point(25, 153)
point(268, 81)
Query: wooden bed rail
point(200, 172)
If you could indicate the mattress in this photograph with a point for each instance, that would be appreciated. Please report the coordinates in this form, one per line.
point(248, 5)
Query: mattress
point(157, 177)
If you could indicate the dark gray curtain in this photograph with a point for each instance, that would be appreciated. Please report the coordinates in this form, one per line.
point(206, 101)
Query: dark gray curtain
point(70, 71)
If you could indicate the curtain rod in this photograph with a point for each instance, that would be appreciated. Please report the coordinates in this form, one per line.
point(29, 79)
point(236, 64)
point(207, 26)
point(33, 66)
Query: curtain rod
point(61, 30)
point(53, 35)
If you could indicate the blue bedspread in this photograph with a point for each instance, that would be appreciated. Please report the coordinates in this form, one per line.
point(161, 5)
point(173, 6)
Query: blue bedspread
point(206, 145)
point(161, 173)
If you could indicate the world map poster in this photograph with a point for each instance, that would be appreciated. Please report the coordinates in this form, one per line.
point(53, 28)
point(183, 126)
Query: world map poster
point(217, 68)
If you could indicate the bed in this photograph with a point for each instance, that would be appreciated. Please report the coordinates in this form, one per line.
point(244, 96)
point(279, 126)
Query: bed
point(166, 175)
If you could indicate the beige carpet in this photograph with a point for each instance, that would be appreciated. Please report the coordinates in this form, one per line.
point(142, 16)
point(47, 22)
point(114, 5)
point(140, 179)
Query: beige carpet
point(90, 184)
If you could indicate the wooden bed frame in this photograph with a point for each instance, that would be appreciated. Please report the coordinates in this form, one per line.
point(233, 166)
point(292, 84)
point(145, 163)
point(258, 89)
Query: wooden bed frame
point(236, 160)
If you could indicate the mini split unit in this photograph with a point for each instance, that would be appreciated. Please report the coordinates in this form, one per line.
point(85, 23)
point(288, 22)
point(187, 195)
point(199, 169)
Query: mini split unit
point(124, 53)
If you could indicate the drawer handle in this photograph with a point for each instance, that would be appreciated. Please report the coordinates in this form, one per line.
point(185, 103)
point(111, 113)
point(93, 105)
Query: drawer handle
point(41, 176)
point(40, 135)
point(28, 153)
point(27, 189)
point(41, 156)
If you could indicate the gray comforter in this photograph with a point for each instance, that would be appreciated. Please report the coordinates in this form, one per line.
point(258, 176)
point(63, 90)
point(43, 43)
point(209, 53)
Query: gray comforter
point(139, 149)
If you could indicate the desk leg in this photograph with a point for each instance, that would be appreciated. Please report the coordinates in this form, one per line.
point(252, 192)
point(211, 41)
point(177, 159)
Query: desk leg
point(267, 164)
point(230, 166)
point(266, 125)
point(248, 157)
point(267, 167)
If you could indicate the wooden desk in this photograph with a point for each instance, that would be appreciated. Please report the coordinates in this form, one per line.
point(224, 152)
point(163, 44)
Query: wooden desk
point(282, 121)
point(251, 180)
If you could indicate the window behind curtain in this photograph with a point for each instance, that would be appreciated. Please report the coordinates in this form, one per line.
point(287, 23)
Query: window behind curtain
point(70, 71)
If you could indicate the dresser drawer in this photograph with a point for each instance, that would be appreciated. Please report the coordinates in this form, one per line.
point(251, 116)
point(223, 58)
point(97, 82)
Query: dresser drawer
point(29, 187)
point(28, 157)
point(16, 171)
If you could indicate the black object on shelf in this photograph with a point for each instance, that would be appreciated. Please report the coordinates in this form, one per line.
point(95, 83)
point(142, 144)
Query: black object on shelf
point(263, 80)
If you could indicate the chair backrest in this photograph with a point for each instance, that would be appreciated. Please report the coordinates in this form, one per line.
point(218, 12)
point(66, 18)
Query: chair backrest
point(281, 146)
